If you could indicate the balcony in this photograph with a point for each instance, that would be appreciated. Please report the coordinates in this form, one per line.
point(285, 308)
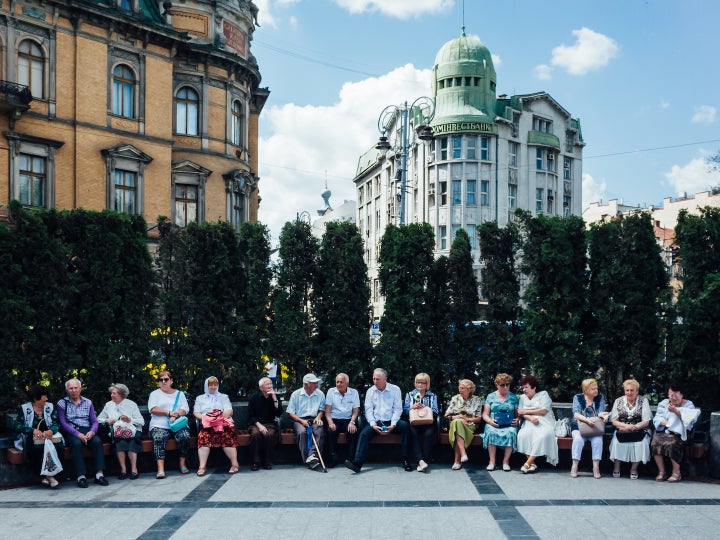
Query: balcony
point(14, 99)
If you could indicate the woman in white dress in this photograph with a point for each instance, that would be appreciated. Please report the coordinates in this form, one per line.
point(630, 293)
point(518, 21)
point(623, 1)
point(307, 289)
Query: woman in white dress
point(537, 434)
point(631, 416)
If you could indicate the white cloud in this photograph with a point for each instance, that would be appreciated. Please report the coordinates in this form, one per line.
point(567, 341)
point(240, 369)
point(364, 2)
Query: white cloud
point(304, 144)
point(704, 114)
point(589, 52)
point(497, 61)
point(592, 190)
point(664, 104)
point(402, 9)
point(692, 177)
point(543, 72)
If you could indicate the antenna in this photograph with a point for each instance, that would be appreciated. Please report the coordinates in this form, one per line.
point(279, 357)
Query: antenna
point(463, 18)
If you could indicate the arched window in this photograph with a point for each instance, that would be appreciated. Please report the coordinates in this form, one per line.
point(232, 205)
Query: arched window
point(123, 92)
point(187, 105)
point(31, 67)
point(237, 124)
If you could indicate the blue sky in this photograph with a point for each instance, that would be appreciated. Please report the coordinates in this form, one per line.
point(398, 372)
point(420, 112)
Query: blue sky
point(640, 75)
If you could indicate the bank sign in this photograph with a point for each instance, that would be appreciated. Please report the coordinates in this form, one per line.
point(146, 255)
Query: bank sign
point(465, 127)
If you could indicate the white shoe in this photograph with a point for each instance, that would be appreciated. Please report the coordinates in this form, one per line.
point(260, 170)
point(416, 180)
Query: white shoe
point(506, 467)
point(422, 466)
point(464, 459)
point(490, 467)
point(456, 467)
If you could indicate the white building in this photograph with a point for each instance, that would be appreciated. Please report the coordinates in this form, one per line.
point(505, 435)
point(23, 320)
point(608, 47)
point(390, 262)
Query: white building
point(490, 156)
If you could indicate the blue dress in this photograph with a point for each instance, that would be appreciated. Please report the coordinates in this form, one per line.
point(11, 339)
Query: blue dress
point(506, 436)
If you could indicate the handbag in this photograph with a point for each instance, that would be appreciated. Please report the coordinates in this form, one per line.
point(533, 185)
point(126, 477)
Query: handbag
point(181, 421)
point(51, 464)
point(630, 436)
point(562, 427)
point(123, 430)
point(56, 438)
point(421, 417)
point(503, 419)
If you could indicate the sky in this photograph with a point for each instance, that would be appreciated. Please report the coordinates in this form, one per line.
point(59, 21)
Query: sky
point(639, 75)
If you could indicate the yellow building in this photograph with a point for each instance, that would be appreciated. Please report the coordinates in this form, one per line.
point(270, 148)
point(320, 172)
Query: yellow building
point(140, 106)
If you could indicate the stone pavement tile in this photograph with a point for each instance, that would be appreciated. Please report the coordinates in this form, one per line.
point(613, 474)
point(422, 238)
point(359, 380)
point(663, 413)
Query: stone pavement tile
point(621, 522)
point(92, 523)
point(374, 483)
point(344, 524)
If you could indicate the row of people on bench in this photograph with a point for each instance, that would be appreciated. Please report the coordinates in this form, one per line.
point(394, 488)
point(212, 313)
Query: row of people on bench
point(310, 409)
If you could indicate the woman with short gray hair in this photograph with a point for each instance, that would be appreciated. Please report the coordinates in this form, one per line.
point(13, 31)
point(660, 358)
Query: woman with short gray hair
point(124, 421)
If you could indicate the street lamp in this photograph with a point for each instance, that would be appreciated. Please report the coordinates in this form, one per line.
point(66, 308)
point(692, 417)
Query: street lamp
point(423, 108)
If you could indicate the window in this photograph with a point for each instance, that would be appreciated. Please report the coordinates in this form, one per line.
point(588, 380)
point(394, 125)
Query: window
point(186, 204)
point(471, 192)
point(123, 92)
point(566, 205)
point(443, 144)
point(539, 192)
point(512, 154)
point(125, 172)
point(457, 192)
point(541, 124)
point(239, 186)
point(361, 190)
point(471, 229)
point(485, 148)
point(454, 231)
point(187, 106)
point(31, 67)
point(443, 193)
point(125, 192)
point(126, 4)
point(442, 233)
point(457, 147)
point(539, 161)
point(32, 180)
point(567, 169)
point(236, 123)
point(484, 192)
point(472, 147)
point(512, 197)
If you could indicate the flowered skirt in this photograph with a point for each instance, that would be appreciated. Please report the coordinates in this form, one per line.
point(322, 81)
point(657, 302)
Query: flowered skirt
point(217, 439)
point(668, 445)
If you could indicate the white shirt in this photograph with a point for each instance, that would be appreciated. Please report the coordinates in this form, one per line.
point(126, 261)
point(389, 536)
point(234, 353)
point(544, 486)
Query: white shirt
point(158, 398)
point(383, 405)
point(341, 407)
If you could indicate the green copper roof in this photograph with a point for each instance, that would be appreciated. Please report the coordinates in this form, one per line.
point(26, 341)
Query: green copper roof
point(464, 84)
point(149, 11)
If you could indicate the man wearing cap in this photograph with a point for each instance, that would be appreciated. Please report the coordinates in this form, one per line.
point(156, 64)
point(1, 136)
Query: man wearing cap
point(306, 408)
point(383, 407)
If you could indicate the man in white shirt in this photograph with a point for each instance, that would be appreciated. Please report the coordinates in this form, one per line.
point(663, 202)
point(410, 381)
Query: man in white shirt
point(383, 407)
point(342, 405)
point(306, 407)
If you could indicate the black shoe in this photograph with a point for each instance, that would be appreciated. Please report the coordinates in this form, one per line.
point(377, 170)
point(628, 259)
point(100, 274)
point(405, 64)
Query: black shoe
point(407, 466)
point(255, 467)
point(82, 483)
point(101, 481)
point(332, 462)
point(267, 466)
point(134, 476)
point(121, 476)
point(353, 465)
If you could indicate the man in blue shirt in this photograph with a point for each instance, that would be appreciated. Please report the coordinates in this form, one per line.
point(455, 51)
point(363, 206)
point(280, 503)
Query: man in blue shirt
point(383, 407)
point(306, 407)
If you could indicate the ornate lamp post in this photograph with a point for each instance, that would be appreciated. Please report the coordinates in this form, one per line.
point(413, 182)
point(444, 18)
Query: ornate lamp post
point(424, 108)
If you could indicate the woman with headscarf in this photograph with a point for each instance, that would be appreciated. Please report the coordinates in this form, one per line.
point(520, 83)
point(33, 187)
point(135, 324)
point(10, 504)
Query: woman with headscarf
point(215, 411)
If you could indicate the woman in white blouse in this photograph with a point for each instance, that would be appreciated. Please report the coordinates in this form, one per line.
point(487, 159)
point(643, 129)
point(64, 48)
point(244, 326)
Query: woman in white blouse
point(537, 435)
point(125, 423)
point(631, 417)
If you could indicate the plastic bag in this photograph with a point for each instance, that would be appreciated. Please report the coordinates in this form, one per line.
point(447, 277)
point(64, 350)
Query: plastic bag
point(51, 464)
point(123, 430)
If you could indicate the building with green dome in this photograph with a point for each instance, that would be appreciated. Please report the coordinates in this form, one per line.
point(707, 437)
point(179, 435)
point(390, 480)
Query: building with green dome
point(488, 156)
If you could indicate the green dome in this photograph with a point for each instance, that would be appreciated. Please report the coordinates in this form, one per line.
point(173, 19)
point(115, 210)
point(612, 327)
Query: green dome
point(464, 83)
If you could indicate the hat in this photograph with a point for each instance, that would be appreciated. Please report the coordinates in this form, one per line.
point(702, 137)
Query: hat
point(310, 378)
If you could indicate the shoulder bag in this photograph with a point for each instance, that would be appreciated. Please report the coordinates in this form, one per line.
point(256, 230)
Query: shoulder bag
point(181, 421)
point(421, 417)
point(586, 430)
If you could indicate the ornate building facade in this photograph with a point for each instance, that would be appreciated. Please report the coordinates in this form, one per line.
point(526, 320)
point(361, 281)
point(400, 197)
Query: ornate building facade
point(138, 106)
point(489, 155)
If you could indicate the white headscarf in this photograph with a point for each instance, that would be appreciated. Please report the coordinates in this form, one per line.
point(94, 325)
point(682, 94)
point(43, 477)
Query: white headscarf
point(212, 400)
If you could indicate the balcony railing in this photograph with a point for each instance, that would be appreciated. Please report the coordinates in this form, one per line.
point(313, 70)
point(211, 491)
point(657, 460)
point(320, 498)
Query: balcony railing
point(15, 95)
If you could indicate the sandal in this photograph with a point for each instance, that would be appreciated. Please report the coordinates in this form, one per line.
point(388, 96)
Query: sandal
point(160, 475)
point(661, 476)
point(184, 470)
point(675, 477)
point(456, 467)
point(633, 475)
point(616, 474)
point(533, 468)
point(525, 468)
point(234, 470)
point(200, 472)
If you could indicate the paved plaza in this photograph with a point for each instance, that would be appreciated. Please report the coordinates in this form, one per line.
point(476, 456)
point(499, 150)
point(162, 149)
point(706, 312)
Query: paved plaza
point(381, 502)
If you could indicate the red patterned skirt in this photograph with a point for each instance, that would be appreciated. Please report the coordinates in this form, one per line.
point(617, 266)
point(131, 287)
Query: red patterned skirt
point(217, 439)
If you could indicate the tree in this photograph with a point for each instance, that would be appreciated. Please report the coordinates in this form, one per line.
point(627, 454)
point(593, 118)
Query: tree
point(291, 332)
point(341, 304)
point(554, 258)
point(502, 349)
point(406, 255)
point(694, 339)
point(463, 300)
point(627, 284)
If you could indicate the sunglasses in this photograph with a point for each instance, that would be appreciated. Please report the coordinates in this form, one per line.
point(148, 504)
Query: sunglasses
point(163, 379)
point(504, 384)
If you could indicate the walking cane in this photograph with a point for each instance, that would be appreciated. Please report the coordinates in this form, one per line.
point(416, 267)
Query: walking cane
point(317, 449)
